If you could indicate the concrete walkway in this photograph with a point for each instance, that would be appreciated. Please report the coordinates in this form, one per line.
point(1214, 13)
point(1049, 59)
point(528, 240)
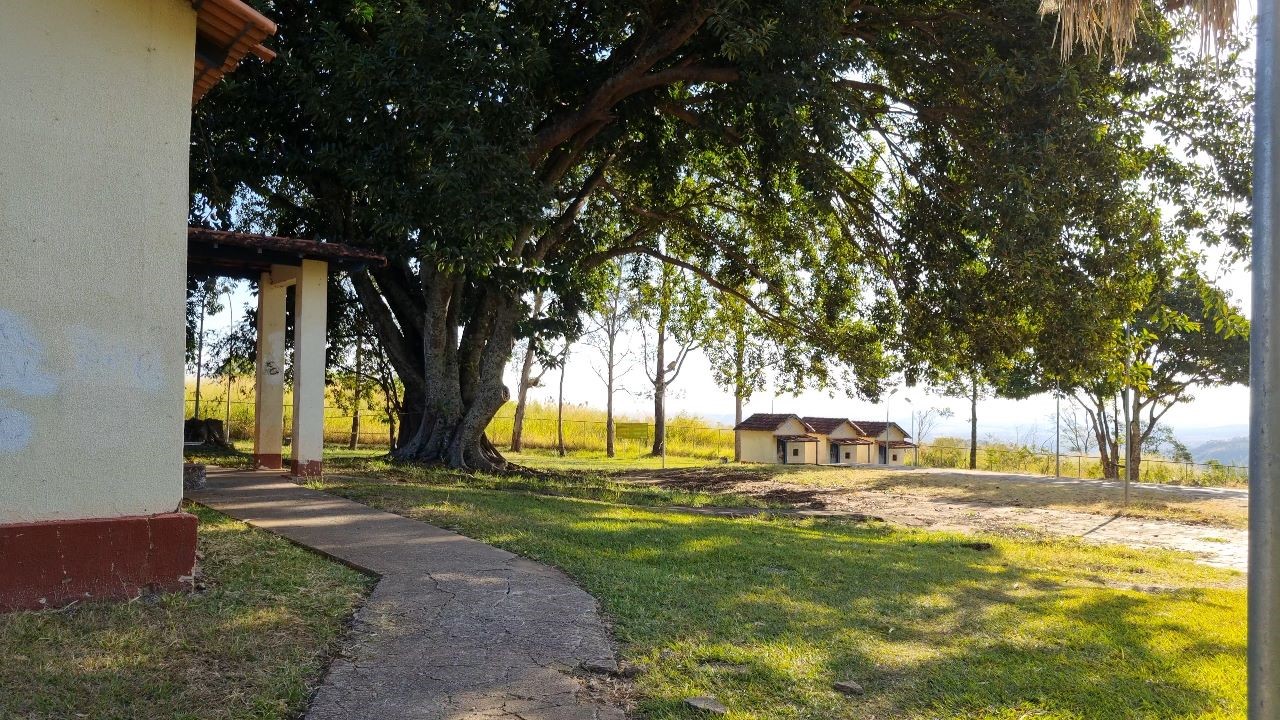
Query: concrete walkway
point(454, 629)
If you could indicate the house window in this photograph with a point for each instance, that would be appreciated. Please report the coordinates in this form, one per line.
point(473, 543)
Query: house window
point(895, 457)
point(846, 455)
point(795, 452)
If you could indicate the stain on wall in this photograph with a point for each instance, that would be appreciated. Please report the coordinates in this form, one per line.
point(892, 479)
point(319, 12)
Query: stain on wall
point(15, 430)
point(22, 358)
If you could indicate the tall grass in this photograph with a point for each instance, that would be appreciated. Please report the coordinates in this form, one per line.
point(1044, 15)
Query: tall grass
point(1008, 457)
point(687, 435)
point(585, 430)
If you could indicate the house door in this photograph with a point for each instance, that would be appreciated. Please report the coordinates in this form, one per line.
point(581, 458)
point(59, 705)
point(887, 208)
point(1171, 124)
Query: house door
point(782, 452)
point(884, 454)
point(835, 454)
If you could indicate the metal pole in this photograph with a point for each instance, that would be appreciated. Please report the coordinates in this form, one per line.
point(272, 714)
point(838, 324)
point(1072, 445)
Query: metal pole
point(1057, 435)
point(1264, 374)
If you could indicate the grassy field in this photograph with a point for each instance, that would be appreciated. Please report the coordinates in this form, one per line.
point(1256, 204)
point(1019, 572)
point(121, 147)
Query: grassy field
point(766, 613)
point(250, 645)
point(1002, 490)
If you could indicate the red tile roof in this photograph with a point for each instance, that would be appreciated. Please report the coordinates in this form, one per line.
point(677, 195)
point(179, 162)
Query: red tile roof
point(226, 31)
point(769, 421)
point(875, 428)
point(824, 425)
point(247, 255)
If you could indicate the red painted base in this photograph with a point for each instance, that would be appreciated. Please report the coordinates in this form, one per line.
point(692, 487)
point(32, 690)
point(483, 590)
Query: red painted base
point(311, 468)
point(50, 564)
point(265, 461)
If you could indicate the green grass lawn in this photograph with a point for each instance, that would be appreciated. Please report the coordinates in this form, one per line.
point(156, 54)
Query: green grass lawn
point(766, 613)
point(250, 645)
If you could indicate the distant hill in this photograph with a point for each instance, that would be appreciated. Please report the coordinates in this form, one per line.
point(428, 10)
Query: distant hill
point(1228, 452)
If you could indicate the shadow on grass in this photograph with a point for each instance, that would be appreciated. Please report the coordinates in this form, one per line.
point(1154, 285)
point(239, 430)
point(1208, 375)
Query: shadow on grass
point(932, 628)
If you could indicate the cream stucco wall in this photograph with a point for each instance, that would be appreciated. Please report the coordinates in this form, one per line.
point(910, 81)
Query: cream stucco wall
point(758, 446)
point(94, 128)
point(840, 432)
point(761, 446)
point(802, 453)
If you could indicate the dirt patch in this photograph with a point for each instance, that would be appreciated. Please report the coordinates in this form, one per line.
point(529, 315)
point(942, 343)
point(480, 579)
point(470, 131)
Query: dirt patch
point(981, 508)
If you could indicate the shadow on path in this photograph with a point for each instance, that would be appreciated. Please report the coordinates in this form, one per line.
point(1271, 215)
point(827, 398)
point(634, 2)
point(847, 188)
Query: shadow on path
point(454, 629)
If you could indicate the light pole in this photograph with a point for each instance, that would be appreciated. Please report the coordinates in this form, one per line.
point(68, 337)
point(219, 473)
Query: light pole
point(1264, 377)
point(884, 446)
point(915, 456)
point(1057, 434)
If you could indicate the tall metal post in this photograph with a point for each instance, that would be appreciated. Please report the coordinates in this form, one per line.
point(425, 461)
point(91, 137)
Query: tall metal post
point(1264, 377)
point(1057, 435)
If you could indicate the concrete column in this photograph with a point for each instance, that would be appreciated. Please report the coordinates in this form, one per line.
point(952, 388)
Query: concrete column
point(269, 389)
point(309, 317)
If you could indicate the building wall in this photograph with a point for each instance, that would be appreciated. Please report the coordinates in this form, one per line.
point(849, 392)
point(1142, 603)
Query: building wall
point(94, 131)
point(758, 446)
point(842, 431)
point(894, 435)
point(802, 453)
point(761, 446)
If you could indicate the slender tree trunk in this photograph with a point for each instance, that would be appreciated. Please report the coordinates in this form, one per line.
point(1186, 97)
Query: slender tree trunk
point(737, 420)
point(1115, 437)
point(564, 366)
point(610, 432)
point(1106, 456)
point(1134, 439)
point(973, 423)
point(522, 393)
point(660, 393)
point(355, 405)
point(199, 360)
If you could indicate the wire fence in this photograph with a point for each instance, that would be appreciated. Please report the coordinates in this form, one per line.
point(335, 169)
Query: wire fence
point(685, 436)
point(1014, 459)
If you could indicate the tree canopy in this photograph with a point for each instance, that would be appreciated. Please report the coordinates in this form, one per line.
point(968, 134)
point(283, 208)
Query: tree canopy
point(861, 177)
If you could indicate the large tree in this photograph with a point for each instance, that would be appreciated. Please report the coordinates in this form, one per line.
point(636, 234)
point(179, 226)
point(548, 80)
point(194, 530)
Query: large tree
point(1186, 334)
point(795, 148)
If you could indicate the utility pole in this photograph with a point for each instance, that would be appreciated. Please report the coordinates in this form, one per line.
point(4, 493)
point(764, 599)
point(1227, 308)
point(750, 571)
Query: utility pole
point(1128, 430)
point(1057, 434)
point(1264, 384)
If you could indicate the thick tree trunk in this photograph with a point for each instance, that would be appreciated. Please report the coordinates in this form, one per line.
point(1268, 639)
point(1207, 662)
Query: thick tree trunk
point(973, 424)
point(462, 374)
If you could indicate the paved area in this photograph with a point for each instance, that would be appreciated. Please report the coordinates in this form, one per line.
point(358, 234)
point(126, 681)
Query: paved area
point(455, 629)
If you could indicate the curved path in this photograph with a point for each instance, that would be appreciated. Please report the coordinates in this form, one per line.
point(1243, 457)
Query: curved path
point(454, 628)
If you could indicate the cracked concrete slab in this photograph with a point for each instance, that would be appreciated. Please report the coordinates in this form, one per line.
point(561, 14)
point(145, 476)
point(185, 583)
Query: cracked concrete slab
point(455, 629)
